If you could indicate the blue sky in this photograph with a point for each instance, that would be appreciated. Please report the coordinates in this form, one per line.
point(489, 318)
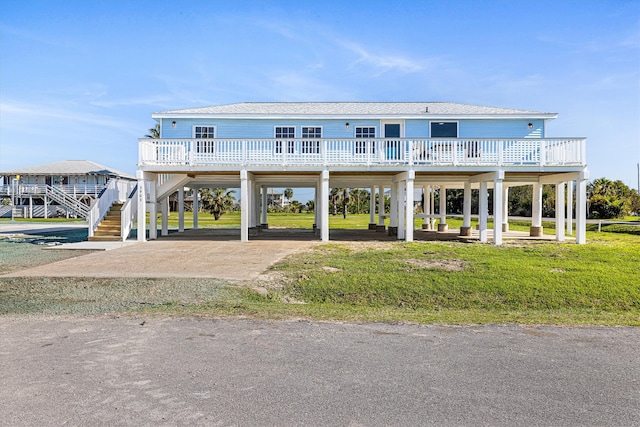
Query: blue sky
point(80, 79)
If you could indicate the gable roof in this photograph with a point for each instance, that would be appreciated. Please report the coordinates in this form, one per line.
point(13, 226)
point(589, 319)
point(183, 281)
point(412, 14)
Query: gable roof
point(69, 167)
point(352, 109)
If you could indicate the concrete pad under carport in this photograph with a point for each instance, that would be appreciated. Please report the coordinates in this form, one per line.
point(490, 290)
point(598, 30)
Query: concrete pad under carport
point(165, 258)
point(214, 253)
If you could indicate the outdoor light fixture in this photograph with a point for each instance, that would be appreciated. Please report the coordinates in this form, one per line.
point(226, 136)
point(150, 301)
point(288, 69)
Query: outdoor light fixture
point(346, 126)
point(173, 124)
point(530, 125)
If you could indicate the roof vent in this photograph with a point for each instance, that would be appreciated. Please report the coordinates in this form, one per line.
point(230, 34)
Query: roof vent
point(426, 110)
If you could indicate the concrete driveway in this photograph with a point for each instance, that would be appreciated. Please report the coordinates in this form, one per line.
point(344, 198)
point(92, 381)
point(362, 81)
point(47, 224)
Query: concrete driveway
point(222, 259)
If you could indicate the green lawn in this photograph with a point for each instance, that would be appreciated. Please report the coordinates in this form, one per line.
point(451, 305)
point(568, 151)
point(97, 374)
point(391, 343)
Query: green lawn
point(450, 282)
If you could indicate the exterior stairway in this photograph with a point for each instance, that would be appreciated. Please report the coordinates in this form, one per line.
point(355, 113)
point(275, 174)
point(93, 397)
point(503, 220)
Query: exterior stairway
point(109, 228)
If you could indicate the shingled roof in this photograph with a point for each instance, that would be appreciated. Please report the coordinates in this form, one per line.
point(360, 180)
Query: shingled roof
point(378, 109)
point(69, 167)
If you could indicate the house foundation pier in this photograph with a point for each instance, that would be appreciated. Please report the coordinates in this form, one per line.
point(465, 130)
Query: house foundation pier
point(465, 230)
point(442, 225)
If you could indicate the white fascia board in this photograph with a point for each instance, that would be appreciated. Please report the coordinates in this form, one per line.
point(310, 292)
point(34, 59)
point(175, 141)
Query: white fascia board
point(542, 116)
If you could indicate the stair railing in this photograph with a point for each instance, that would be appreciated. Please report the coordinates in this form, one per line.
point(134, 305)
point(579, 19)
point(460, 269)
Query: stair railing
point(117, 190)
point(68, 201)
point(128, 213)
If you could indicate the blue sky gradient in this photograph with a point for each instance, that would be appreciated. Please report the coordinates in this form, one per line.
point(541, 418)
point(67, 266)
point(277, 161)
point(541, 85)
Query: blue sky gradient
point(80, 79)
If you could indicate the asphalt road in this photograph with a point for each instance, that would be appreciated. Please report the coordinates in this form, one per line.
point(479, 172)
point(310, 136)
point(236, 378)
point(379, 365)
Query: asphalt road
point(146, 371)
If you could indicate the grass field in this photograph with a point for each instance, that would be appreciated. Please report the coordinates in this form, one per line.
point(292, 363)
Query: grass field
point(450, 282)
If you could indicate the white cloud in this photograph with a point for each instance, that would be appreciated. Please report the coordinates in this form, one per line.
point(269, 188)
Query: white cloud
point(383, 63)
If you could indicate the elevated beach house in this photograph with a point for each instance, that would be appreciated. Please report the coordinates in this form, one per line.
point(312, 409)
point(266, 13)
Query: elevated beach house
point(387, 147)
point(65, 188)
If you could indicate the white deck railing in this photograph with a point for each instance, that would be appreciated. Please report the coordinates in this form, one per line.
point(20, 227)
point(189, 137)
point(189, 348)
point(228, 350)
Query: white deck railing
point(75, 190)
point(363, 152)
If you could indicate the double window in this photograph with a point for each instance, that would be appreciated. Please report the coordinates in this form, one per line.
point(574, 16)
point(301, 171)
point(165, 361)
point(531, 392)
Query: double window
point(365, 132)
point(285, 134)
point(202, 134)
point(309, 136)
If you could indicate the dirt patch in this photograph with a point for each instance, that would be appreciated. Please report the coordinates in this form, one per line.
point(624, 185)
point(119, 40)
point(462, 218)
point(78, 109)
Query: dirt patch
point(439, 264)
point(361, 246)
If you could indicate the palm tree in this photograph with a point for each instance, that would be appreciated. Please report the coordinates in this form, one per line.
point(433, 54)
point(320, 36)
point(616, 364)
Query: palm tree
point(154, 132)
point(288, 193)
point(217, 201)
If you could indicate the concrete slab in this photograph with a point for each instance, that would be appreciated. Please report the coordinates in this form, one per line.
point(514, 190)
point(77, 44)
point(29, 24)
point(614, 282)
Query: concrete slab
point(92, 246)
point(209, 253)
point(230, 259)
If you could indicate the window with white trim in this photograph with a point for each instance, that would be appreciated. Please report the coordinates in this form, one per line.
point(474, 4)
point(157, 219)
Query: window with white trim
point(285, 133)
point(202, 134)
point(444, 129)
point(311, 147)
point(362, 132)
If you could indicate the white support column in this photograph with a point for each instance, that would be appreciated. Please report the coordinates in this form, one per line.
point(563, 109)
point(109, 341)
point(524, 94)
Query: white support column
point(381, 206)
point(263, 207)
point(153, 209)
point(372, 208)
point(425, 209)
point(30, 206)
point(581, 211)
point(164, 211)
point(244, 206)
point(393, 209)
point(443, 226)
point(536, 211)
point(196, 207)
point(497, 211)
point(432, 206)
point(570, 208)
point(255, 205)
point(317, 206)
point(181, 209)
point(324, 214)
point(465, 230)
point(409, 206)
point(46, 207)
point(505, 209)
point(560, 211)
point(483, 211)
point(401, 209)
point(142, 207)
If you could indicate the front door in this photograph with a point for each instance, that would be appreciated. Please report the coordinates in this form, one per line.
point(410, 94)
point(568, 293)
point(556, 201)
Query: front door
point(393, 148)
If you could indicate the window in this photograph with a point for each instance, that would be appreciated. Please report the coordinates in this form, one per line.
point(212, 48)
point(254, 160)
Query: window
point(204, 132)
point(365, 132)
point(311, 147)
point(444, 129)
point(285, 132)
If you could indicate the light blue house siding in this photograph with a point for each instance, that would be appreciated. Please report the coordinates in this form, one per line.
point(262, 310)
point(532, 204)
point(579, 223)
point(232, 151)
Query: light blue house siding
point(334, 128)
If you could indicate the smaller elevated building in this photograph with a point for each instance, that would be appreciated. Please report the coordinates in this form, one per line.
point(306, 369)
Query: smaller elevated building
point(67, 188)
